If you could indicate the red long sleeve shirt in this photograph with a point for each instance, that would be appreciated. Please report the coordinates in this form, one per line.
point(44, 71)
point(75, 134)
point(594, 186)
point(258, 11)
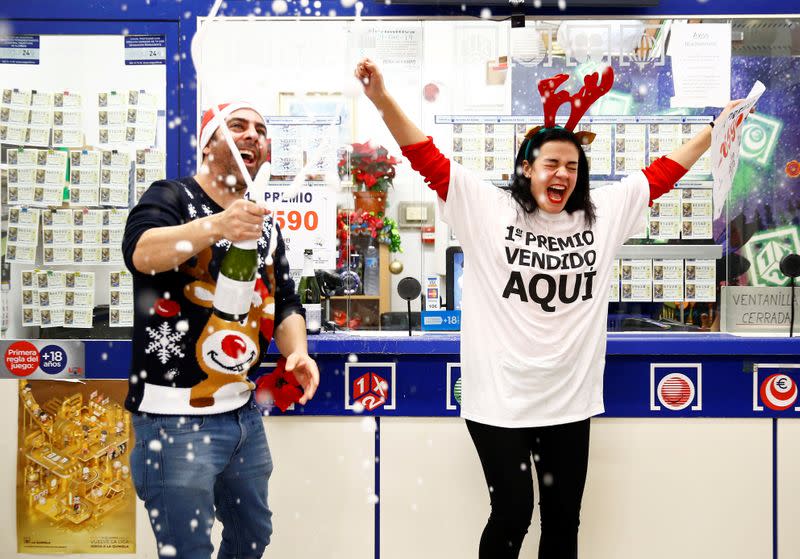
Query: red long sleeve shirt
point(427, 160)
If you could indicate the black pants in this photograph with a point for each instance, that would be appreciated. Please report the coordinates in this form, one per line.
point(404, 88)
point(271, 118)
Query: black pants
point(560, 455)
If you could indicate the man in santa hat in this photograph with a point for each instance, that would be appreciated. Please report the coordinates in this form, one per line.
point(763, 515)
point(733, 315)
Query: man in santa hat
point(201, 451)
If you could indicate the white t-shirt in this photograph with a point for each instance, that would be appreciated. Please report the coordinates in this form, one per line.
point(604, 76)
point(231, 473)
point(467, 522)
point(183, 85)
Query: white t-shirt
point(535, 300)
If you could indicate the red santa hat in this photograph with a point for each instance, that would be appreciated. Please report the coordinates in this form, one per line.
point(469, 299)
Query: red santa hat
point(212, 120)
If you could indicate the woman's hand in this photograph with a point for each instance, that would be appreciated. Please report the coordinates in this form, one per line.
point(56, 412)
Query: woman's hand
point(371, 78)
point(720, 121)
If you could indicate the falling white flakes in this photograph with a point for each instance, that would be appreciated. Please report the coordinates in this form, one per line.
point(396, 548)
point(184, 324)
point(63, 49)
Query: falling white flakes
point(372, 499)
point(537, 3)
point(547, 479)
point(368, 425)
point(643, 89)
point(352, 358)
point(207, 439)
point(523, 467)
point(486, 13)
point(420, 481)
point(104, 356)
point(184, 246)
point(535, 457)
point(562, 5)
point(193, 524)
point(358, 407)
point(168, 551)
point(155, 445)
point(190, 456)
point(230, 180)
point(279, 7)
point(195, 427)
point(154, 513)
point(182, 325)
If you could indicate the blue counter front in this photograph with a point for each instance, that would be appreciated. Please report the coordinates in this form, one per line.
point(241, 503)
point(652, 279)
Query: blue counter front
point(699, 375)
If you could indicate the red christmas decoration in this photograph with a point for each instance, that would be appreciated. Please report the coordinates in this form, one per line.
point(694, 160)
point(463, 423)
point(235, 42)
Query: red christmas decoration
point(281, 385)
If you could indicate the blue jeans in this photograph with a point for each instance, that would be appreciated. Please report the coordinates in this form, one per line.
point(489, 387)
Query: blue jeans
point(185, 468)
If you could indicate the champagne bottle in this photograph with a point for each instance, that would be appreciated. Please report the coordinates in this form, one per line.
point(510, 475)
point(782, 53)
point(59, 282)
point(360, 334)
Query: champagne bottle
point(236, 280)
point(310, 294)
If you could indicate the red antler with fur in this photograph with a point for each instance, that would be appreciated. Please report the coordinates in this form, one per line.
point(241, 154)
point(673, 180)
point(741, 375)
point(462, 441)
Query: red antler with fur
point(580, 102)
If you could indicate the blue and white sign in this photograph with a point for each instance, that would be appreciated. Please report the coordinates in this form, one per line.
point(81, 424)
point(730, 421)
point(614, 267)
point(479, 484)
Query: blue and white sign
point(19, 49)
point(145, 49)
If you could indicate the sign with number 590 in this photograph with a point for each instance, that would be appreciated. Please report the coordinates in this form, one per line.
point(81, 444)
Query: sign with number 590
point(306, 220)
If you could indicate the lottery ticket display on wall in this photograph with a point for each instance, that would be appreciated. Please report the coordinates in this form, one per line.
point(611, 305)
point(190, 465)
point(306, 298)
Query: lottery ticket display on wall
point(36, 176)
point(613, 293)
point(26, 117)
point(84, 177)
point(120, 307)
point(292, 144)
point(127, 117)
point(67, 120)
point(667, 280)
point(115, 178)
point(150, 166)
point(701, 280)
point(53, 298)
point(83, 236)
point(486, 148)
point(637, 284)
point(23, 235)
point(598, 153)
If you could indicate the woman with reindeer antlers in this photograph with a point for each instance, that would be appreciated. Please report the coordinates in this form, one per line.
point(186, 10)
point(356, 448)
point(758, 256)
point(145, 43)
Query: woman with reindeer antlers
point(539, 256)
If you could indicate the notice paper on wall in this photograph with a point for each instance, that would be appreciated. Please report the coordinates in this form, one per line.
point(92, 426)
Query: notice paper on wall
point(701, 64)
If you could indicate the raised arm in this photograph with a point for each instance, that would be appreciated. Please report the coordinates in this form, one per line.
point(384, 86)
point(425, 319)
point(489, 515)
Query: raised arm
point(664, 172)
point(404, 131)
point(424, 156)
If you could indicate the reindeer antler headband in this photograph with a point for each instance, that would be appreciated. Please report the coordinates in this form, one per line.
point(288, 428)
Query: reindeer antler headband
point(579, 103)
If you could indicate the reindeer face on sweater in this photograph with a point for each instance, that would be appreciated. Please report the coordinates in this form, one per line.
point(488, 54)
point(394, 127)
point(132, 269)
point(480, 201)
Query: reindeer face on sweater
point(226, 346)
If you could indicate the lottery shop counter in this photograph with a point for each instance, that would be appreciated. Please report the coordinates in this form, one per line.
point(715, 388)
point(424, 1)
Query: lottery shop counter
point(700, 438)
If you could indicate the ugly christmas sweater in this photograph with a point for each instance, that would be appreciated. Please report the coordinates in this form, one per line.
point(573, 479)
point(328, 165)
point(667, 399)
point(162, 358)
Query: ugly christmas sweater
point(186, 359)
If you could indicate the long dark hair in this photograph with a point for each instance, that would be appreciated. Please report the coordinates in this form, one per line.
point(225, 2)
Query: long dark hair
point(520, 186)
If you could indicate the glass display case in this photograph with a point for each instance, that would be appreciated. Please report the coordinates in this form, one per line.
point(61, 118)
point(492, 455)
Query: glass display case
point(696, 264)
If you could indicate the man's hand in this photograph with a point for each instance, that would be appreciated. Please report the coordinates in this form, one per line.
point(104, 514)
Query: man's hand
point(370, 76)
point(306, 372)
point(241, 221)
